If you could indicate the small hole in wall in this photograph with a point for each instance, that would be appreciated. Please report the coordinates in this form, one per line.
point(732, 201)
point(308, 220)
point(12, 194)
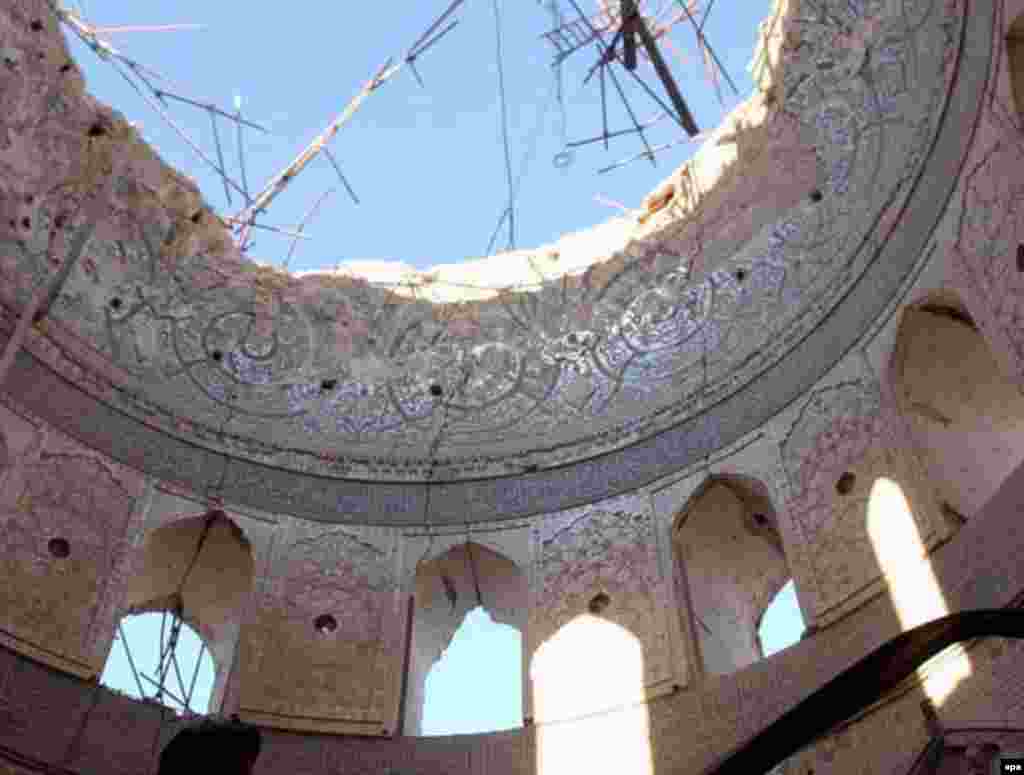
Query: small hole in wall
point(599, 603)
point(115, 303)
point(197, 216)
point(760, 519)
point(845, 484)
point(1020, 257)
point(816, 196)
point(97, 130)
point(36, 25)
point(217, 355)
point(436, 391)
point(325, 624)
point(741, 275)
point(26, 223)
point(328, 385)
point(66, 67)
point(59, 548)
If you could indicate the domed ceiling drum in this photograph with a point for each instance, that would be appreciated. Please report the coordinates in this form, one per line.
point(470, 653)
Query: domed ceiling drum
point(524, 382)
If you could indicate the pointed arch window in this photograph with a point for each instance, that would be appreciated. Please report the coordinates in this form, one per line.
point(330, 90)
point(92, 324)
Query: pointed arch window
point(468, 615)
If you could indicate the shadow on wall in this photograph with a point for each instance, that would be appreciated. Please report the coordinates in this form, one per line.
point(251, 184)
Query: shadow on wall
point(966, 417)
point(446, 589)
point(730, 566)
point(202, 568)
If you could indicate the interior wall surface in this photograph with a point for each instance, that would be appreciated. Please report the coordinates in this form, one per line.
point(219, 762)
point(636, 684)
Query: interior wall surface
point(288, 674)
point(53, 717)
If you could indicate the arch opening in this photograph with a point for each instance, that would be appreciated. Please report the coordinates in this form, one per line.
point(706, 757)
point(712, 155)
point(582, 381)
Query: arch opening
point(198, 570)
point(476, 684)
point(782, 624)
point(733, 564)
point(468, 616)
point(966, 416)
point(161, 658)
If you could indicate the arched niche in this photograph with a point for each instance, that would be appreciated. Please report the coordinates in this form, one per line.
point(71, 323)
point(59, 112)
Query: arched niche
point(205, 565)
point(446, 588)
point(1015, 61)
point(730, 553)
point(966, 416)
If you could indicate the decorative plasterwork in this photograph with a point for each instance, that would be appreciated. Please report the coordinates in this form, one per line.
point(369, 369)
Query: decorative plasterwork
point(715, 316)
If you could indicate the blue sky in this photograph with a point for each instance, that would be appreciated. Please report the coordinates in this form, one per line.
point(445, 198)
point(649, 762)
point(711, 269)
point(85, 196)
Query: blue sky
point(427, 163)
point(482, 653)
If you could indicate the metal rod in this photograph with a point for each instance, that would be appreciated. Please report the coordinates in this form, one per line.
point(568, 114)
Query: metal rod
point(280, 182)
point(151, 28)
point(220, 152)
point(423, 49)
point(177, 673)
point(162, 689)
point(703, 41)
point(604, 110)
point(629, 23)
point(305, 220)
point(341, 175)
point(682, 109)
point(437, 23)
point(607, 135)
point(131, 662)
point(615, 81)
point(276, 229)
point(641, 155)
point(209, 106)
point(195, 673)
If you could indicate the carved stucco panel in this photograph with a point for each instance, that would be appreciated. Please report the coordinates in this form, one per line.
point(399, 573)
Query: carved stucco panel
point(609, 547)
point(53, 488)
point(349, 674)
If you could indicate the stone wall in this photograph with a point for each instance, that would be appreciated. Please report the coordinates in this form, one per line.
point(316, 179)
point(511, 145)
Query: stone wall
point(53, 717)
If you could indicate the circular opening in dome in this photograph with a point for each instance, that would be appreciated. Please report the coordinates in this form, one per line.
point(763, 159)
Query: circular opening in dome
point(599, 603)
point(59, 548)
point(534, 184)
point(325, 624)
point(845, 484)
